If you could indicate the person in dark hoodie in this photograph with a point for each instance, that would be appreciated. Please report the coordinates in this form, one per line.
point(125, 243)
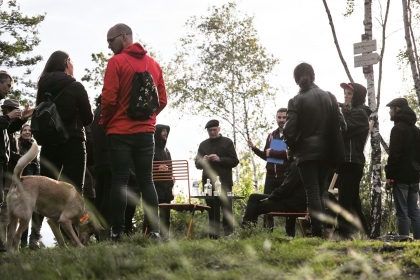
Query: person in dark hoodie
point(67, 161)
point(356, 116)
point(164, 189)
point(275, 172)
point(402, 170)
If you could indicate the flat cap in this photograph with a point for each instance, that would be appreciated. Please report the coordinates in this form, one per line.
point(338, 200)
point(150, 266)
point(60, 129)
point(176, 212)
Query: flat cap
point(398, 102)
point(212, 123)
point(11, 103)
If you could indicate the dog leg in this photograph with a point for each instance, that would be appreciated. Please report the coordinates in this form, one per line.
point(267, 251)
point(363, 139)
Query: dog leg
point(11, 230)
point(55, 227)
point(23, 225)
point(68, 228)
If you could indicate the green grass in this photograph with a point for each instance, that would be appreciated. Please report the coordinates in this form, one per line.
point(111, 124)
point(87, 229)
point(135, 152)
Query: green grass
point(250, 255)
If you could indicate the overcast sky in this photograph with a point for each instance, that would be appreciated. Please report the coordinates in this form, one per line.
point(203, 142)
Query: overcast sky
point(293, 31)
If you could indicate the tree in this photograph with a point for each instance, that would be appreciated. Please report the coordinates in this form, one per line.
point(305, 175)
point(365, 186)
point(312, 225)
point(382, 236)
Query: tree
point(221, 70)
point(411, 51)
point(19, 36)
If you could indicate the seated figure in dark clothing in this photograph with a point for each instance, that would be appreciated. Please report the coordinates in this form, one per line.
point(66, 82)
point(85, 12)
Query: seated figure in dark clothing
point(289, 197)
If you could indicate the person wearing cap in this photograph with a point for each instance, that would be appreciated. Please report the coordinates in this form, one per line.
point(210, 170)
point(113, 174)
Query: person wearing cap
point(7, 127)
point(217, 156)
point(356, 116)
point(402, 169)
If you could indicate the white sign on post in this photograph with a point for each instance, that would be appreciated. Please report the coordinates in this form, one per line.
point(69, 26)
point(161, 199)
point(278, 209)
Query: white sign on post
point(366, 59)
point(363, 47)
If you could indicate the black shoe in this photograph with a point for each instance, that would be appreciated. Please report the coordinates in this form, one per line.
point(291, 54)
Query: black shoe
point(2, 246)
point(116, 237)
point(36, 244)
point(155, 236)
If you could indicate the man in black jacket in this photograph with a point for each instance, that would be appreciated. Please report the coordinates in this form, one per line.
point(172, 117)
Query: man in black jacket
point(402, 170)
point(216, 156)
point(289, 197)
point(164, 189)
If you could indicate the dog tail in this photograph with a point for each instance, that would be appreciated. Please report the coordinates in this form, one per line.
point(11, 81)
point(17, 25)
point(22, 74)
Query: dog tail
point(25, 160)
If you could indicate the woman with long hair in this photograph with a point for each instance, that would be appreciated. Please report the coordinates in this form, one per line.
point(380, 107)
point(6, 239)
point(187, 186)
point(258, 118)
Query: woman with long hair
point(307, 133)
point(66, 161)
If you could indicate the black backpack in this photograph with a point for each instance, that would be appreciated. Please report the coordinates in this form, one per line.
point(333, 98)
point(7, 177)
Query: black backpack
point(46, 124)
point(144, 99)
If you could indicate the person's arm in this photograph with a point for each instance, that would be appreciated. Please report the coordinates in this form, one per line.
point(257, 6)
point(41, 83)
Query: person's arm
point(395, 151)
point(357, 123)
point(199, 158)
point(161, 91)
point(110, 92)
point(83, 105)
point(290, 127)
point(290, 183)
point(231, 158)
point(15, 125)
point(260, 153)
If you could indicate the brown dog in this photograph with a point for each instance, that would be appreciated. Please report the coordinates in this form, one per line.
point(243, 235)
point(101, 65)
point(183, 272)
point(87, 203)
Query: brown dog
point(58, 201)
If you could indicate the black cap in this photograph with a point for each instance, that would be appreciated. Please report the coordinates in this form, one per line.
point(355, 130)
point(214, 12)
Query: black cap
point(398, 102)
point(212, 123)
point(11, 103)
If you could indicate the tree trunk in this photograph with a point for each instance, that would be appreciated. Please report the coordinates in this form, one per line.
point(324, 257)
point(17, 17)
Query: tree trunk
point(336, 41)
point(410, 52)
point(376, 206)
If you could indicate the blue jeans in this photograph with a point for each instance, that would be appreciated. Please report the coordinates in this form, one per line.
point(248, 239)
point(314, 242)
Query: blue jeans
point(138, 148)
point(406, 197)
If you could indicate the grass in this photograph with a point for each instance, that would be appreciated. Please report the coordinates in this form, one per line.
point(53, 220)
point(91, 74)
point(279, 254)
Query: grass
point(250, 255)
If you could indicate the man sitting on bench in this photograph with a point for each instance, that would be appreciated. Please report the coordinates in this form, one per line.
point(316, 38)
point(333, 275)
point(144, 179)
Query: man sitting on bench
point(289, 197)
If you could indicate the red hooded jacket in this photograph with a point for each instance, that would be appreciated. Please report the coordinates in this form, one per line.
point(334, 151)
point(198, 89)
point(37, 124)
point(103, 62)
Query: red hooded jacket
point(116, 91)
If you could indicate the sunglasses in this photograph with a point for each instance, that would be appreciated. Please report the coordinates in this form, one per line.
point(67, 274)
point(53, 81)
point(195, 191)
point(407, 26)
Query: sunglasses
point(110, 41)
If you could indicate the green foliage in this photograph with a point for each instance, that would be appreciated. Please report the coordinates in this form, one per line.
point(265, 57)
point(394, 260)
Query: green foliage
point(259, 256)
point(222, 69)
point(95, 76)
point(349, 8)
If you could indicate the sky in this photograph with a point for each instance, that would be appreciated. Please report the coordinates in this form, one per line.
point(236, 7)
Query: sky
point(293, 31)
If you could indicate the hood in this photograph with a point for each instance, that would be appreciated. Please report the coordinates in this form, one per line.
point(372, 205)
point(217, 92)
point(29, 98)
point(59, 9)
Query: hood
point(367, 109)
point(158, 139)
point(54, 82)
point(136, 50)
point(406, 114)
point(359, 95)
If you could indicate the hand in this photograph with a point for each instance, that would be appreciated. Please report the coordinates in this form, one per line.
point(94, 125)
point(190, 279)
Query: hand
point(214, 157)
point(267, 152)
point(163, 167)
point(389, 184)
point(250, 144)
point(15, 114)
point(27, 113)
point(264, 199)
point(206, 158)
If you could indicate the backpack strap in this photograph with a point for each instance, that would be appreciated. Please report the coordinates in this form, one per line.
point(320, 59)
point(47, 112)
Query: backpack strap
point(58, 95)
point(147, 62)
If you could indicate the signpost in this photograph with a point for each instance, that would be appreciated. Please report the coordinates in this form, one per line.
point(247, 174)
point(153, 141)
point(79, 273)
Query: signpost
point(364, 47)
point(368, 58)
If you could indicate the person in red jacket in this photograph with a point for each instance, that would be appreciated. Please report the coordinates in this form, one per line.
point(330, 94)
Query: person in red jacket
point(127, 138)
point(275, 172)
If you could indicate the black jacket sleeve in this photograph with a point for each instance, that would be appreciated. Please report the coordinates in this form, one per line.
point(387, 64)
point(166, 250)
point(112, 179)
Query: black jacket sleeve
point(357, 123)
point(395, 151)
point(83, 105)
point(290, 128)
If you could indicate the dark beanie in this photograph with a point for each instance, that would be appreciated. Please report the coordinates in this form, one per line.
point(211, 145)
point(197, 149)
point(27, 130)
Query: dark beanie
point(212, 123)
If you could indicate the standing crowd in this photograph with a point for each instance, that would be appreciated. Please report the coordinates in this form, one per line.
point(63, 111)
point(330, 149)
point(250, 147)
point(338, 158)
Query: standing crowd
point(321, 135)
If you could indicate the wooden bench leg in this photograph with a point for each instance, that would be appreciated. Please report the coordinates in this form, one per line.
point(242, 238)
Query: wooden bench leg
point(302, 229)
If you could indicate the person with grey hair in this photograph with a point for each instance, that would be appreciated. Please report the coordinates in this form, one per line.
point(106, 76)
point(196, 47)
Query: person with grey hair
point(129, 139)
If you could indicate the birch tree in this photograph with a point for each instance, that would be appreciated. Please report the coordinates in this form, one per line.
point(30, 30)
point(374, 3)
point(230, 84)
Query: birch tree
point(411, 51)
point(221, 70)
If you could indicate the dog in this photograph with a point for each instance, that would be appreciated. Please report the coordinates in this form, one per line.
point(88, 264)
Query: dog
point(58, 201)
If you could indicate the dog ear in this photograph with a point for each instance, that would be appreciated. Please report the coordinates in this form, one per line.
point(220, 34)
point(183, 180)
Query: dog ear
point(95, 222)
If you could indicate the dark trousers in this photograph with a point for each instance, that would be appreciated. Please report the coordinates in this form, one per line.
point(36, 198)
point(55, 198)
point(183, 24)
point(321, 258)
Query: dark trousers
point(64, 162)
point(348, 183)
point(103, 196)
point(226, 205)
point(256, 207)
point(270, 184)
point(139, 148)
point(314, 174)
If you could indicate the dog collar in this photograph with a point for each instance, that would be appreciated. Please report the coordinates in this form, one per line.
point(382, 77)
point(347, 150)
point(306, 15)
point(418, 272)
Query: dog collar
point(84, 217)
